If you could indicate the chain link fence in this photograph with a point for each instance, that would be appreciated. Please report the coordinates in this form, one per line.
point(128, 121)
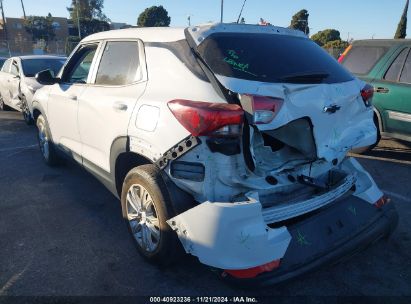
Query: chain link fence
point(10, 48)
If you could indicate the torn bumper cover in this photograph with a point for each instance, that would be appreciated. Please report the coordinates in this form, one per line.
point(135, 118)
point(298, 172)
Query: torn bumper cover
point(230, 235)
point(341, 230)
point(236, 237)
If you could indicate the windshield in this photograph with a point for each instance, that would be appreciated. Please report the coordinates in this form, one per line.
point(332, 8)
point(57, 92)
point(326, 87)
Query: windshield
point(270, 58)
point(32, 66)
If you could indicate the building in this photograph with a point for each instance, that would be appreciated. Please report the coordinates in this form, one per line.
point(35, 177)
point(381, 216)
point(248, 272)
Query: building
point(20, 42)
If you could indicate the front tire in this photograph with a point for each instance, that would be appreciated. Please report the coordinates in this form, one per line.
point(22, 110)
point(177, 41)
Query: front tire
point(26, 111)
point(3, 106)
point(47, 148)
point(146, 207)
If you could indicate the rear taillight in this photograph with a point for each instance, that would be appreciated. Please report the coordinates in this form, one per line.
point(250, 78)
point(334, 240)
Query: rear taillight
point(263, 109)
point(208, 119)
point(253, 272)
point(367, 93)
point(343, 55)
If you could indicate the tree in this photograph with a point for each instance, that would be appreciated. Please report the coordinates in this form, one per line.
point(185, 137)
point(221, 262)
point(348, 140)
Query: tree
point(154, 16)
point(336, 44)
point(300, 22)
point(322, 37)
point(89, 14)
point(401, 32)
point(41, 28)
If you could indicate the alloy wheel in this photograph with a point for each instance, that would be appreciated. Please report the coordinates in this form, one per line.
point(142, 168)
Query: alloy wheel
point(142, 217)
point(43, 141)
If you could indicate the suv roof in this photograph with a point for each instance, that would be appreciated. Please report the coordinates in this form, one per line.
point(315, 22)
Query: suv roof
point(169, 34)
point(148, 34)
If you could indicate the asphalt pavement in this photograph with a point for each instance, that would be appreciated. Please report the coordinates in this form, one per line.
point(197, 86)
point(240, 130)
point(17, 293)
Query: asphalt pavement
point(62, 233)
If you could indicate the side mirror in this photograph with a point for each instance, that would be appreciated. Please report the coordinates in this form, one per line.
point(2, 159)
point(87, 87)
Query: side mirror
point(46, 77)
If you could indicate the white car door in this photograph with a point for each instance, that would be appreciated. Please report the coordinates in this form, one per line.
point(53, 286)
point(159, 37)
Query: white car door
point(108, 102)
point(64, 98)
point(13, 84)
point(4, 77)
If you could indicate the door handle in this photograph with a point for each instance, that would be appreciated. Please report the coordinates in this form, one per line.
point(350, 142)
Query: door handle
point(72, 97)
point(382, 90)
point(120, 107)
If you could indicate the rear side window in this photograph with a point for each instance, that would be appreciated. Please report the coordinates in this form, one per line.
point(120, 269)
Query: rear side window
point(270, 58)
point(395, 69)
point(361, 59)
point(120, 64)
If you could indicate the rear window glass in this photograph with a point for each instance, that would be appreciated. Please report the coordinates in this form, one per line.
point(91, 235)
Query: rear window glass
point(270, 58)
point(361, 59)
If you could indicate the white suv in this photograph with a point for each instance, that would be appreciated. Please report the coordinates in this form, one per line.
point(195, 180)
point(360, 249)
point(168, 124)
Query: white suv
point(233, 138)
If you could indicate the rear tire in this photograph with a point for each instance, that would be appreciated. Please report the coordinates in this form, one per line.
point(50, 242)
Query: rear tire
point(47, 148)
point(146, 207)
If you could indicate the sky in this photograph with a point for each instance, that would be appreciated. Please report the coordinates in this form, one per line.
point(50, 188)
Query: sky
point(358, 19)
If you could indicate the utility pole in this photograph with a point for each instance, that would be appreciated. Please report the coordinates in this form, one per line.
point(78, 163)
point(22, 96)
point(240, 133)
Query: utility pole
point(24, 11)
point(4, 20)
point(78, 20)
point(222, 11)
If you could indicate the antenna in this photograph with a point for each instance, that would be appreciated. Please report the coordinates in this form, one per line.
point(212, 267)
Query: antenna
point(239, 16)
point(24, 11)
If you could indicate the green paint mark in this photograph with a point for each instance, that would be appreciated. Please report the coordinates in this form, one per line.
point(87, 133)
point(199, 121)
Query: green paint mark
point(352, 210)
point(232, 60)
point(233, 54)
point(301, 239)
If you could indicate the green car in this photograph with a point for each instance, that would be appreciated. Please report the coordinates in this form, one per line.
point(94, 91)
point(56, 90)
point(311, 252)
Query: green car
point(386, 65)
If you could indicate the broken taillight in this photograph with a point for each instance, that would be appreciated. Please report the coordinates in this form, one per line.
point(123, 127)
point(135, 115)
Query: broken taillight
point(208, 119)
point(367, 94)
point(382, 201)
point(253, 272)
point(263, 109)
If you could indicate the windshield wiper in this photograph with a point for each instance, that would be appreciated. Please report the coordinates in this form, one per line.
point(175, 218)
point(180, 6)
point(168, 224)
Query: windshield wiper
point(305, 77)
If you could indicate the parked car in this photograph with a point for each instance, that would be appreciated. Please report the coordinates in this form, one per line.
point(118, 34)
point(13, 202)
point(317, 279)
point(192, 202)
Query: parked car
point(18, 84)
point(385, 64)
point(224, 139)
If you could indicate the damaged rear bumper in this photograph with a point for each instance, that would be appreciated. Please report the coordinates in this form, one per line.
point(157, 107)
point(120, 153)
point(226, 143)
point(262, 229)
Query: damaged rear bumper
point(342, 229)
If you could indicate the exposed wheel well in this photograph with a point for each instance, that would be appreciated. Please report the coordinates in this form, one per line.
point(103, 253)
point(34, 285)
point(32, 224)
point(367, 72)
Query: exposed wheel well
point(378, 120)
point(124, 163)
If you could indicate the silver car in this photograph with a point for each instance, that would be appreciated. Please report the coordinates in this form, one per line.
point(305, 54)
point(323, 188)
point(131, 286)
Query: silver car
point(18, 83)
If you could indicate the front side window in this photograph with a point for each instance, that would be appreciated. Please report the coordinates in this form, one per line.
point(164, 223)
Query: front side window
point(78, 68)
point(394, 70)
point(119, 64)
